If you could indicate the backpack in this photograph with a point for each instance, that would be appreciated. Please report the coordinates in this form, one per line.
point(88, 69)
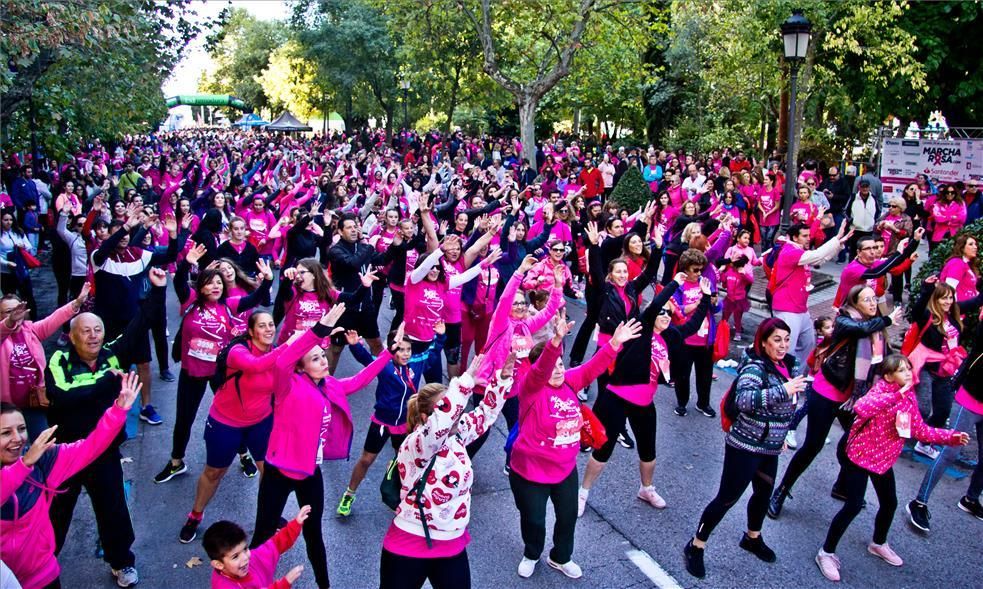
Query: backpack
point(392, 484)
point(221, 365)
point(728, 407)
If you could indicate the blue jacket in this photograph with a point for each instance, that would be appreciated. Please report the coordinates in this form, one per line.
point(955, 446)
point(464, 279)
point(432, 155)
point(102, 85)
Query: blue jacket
point(397, 384)
point(23, 191)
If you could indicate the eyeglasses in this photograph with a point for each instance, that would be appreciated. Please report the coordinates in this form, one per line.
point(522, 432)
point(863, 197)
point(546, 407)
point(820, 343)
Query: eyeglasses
point(868, 248)
point(893, 207)
point(520, 304)
point(810, 183)
point(695, 270)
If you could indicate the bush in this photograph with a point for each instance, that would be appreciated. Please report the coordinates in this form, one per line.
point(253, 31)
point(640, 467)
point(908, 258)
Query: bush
point(934, 265)
point(632, 191)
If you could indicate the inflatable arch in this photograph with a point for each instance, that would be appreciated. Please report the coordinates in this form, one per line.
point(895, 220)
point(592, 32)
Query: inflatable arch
point(208, 100)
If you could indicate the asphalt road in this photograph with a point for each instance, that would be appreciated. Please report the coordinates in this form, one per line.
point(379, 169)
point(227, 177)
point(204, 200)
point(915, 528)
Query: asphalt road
point(620, 543)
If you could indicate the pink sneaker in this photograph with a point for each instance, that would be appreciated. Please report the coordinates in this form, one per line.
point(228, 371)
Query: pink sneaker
point(829, 565)
point(885, 552)
point(648, 495)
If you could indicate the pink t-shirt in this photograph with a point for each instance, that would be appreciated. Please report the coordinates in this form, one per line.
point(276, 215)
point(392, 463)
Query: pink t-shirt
point(850, 277)
point(24, 371)
point(824, 388)
point(425, 303)
point(958, 274)
point(403, 543)
point(259, 225)
point(692, 294)
point(644, 394)
point(302, 312)
point(790, 293)
point(452, 300)
point(769, 199)
point(205, 331)
point(252, 402)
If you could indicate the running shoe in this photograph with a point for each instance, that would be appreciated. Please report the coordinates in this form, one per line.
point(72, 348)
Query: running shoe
point(345, 505)
point(648, 495)
point(248, 466)
point(927, 450)
point(707, 411)
point(582, 495)
point(829, 565)
point(527, 567)
point(680, 411)
point(126, 576)
point(694, 560)
point(569, 568)
point(190, 530)
point(170, 471)
point(790, 440)
point(167, 376)
point(150, 415)
point(757, 547)
point(885, 553)
point(918, 515)
point(972, 507)
point(625, 440)
point(582, 395)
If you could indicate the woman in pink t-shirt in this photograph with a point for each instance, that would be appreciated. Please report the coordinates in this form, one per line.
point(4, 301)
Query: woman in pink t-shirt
point(961, 271)
point(769, 209)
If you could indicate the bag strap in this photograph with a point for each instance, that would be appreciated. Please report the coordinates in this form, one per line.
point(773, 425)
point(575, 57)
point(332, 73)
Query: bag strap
point(418, 487)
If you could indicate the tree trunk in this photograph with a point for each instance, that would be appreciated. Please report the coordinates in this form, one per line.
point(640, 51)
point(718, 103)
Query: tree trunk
point(451, 107)
point(576, 120)
point(527, 126)
point(389, 125)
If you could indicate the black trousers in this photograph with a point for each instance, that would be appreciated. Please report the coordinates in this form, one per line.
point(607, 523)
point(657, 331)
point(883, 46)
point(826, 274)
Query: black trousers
point(158, 331)
point(404, 572)
point(687, 358)
point(612, 410)
point(103, 481)
point(397, 303)
point(853, 483)
point(821, 412)
point(530, 499)
point(190, 391)
point(741, 468)
point(274, 489)
point(10, 284)
point(592, 296)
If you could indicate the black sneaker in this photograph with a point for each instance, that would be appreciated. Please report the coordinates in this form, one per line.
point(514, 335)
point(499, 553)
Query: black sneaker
point(918, 515)
point(170, 471)
point(757, 547)
point(249, 469)
point(777, 502)
point(680, 411)
point(625, 440)
point(190, 530)
point(972, 507)
point(167, 376)
point(708, 411)
point(694, 560)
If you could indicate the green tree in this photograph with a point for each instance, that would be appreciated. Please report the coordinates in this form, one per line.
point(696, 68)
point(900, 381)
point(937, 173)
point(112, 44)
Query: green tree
point(632, 191)
point(290, 81)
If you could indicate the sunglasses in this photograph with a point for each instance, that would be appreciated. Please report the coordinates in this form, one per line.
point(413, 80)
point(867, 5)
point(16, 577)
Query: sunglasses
point(664, 313)
point(558, 249)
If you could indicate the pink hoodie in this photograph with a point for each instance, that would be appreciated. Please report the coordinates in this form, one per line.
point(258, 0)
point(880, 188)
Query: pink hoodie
point(948, 218)
point(300, 406)
point(549, 417)
point(27, 541)
point(34, 332)
point(262, 563)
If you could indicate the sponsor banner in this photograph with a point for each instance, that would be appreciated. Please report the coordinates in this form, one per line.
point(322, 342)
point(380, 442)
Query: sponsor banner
point(942, 161)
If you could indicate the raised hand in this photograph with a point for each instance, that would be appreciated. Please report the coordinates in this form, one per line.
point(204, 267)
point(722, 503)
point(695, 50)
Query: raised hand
point(196, 253)
point(129, 390)
point(508, 369)
point(592, 233)
point(83, 294)
point(626, 332)
point(680, 278)
point(290, 273)
point(494, 255)
point(330, 318)
point(705, 286)
point(264, 268)
point(919, 233)
point(44, 442)
point(158, 277)
point(399, 335)
point(17, 314)
point(475, 364)
point(527, 263)
point(895, 314)
point(559, 275)
point(660, 236)
point(368, 278)
point(352, 337)
point(440, 328)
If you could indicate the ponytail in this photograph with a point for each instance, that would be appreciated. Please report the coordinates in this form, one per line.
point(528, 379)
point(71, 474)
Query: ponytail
point(421, 404)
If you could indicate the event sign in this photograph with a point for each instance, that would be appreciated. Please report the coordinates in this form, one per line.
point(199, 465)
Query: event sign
point(943, 161)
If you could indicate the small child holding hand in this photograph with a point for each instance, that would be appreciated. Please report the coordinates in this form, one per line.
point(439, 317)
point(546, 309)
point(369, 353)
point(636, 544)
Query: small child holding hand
point(235, 566)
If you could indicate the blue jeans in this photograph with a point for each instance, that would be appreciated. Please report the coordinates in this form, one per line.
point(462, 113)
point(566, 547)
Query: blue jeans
point(964, 421)
point(939, 390)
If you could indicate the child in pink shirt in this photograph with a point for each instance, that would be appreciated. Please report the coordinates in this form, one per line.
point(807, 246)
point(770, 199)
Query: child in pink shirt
point(737, 279)
point(236, 566)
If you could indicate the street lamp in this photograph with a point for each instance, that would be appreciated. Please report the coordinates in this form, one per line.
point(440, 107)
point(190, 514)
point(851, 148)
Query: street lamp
point(796, 32)
point(405, 85)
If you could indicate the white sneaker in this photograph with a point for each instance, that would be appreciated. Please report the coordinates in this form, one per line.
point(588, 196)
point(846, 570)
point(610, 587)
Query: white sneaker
point(648, 495)
point(527, 567)
point(582, 501)
point(790, 440)
point(927, 450)
point(126, 576)
point(570, 569)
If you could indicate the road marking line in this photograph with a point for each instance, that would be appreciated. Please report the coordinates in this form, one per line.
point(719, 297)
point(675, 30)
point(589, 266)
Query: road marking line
point(652, 570)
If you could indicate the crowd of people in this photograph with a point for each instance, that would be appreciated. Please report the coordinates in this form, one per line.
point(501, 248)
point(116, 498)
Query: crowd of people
point(283, 252)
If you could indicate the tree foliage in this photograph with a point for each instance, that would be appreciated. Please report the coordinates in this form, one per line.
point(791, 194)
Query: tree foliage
point(632, 191)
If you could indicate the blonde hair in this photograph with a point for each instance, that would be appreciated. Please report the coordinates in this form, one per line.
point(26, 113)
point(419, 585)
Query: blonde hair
point(690, 230)
point(422, 404)
point(898, 202)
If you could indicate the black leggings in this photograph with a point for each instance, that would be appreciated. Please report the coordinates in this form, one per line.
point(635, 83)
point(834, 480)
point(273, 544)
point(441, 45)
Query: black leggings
point(274, 489)
point(10, 284)
point(741, 468)
point(580, 343)
point(821, 412)
point(405, 572)
point(688, 357)
point(158, 330)
point(612, 410)
point(530, 499)
point(398, 305)
point(190, 391)
point(853, 484)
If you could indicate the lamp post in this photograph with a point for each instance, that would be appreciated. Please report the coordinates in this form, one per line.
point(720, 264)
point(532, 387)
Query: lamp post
point(405, 85)
point(796, 32)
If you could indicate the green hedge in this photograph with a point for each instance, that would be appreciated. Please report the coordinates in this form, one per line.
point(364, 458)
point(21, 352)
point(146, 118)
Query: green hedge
point(934, 265)
point(632, 191)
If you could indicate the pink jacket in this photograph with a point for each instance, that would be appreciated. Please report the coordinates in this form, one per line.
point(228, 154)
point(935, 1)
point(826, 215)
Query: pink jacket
point(949, 218)
point(34, 333)
point(549, 417)
point(262, 563)
point(299, 407)
point(506, 333)
point(540, 276)
point(447, 496)
point(27, 540)
point(874, 443)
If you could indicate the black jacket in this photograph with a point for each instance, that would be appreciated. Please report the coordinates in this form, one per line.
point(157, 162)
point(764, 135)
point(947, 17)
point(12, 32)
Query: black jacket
point(612, 305)
point(930, 336)
point(838, 368)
